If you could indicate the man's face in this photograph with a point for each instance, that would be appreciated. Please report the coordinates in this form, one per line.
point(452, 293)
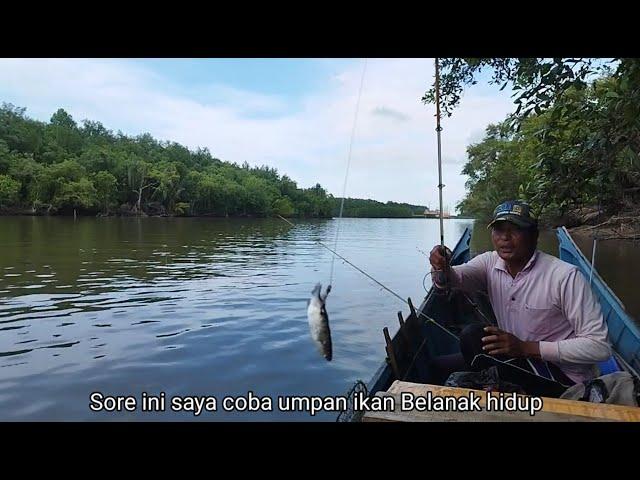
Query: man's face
point(512, 242)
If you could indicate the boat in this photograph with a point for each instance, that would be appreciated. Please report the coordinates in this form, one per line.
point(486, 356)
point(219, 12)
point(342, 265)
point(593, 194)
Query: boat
point(426, 332)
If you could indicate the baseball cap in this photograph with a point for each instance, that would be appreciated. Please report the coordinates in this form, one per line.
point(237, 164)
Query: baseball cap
point(516, 212)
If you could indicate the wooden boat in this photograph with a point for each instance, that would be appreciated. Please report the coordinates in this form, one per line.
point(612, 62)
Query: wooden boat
point(421, 336)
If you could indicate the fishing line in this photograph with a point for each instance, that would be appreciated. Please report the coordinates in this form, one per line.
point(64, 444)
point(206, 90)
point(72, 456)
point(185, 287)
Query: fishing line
point(593, 258)
point(336, 254)
point(293, 225)
point(346, 176)
point(428, 318)
point(344, 190)
point(459, 290)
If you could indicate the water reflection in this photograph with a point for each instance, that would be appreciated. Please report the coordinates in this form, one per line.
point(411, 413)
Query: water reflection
point(199, 307)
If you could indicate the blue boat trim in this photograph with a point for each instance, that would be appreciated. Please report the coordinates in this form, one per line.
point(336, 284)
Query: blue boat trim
point(624, 334)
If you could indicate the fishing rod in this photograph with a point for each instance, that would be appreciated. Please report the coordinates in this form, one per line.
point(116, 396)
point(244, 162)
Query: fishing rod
point(438, 130)
point(440, 276)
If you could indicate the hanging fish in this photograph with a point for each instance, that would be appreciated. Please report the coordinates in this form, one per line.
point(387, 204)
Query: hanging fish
point(319, 321)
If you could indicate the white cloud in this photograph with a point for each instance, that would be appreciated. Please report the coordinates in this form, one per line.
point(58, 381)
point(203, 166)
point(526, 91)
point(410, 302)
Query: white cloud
point(394, 152)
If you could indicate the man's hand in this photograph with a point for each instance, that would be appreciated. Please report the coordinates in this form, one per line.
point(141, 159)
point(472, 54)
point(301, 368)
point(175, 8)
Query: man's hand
point(503, 343)
point(436, 257)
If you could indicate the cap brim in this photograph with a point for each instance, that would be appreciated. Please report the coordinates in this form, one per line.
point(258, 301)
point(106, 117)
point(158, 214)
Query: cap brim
point(513, 219)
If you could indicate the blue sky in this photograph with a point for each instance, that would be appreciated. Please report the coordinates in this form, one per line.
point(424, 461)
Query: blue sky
point(270, 76)
point(292, 114)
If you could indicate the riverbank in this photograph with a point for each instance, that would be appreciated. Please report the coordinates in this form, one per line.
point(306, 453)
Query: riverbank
point(122, 212)
point(28, 212)
point(625, 225)
point(586, 222)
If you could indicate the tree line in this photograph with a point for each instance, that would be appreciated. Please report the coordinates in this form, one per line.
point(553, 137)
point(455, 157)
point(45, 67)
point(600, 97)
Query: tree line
point(61, 167)
point(573, 142)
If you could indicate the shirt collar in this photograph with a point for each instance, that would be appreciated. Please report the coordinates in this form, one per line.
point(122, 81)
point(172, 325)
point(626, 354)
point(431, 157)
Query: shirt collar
point(500, 265)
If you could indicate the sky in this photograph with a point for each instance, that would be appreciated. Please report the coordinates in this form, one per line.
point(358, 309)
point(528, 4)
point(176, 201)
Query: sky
point(296, 115)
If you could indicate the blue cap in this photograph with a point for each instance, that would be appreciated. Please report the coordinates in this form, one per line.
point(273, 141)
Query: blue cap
point(516, 212)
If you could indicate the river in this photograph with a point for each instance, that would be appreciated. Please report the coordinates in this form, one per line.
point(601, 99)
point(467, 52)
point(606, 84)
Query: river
point(208, 307)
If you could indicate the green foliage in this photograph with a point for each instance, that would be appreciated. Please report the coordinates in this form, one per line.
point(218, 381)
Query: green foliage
point(182, 208)
point(75, 195)
point(574, 140)
point(60, 166)
point(537, 82)
point(106, 186)
point(354, 207)
point(258, 195)
point(63, 133)
point(499, 168)
point(283, 207)
point(9, 190)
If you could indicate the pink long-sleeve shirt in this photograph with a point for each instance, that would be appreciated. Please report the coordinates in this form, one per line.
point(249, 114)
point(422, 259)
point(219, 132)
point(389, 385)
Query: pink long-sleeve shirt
point(549, 301)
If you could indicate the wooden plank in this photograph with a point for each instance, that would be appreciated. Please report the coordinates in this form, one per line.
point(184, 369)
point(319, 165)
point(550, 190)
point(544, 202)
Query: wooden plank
point(398, 415)
point(551, 405)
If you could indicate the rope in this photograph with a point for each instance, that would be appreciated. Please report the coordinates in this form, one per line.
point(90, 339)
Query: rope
point(346, 176)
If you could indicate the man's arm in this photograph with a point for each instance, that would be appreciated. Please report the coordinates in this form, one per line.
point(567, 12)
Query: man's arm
point(470, 276)
point(582, 310)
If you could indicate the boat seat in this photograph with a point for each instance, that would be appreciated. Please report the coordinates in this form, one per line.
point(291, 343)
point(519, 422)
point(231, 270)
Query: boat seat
point(608, 366)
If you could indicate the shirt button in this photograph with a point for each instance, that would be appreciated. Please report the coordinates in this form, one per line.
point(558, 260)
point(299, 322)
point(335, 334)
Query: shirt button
point(513, 299)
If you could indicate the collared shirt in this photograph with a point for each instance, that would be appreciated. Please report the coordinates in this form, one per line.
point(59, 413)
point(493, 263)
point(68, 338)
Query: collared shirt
point(548, 301)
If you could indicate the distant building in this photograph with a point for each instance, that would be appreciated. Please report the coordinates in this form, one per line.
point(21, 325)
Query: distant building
point(436, 213)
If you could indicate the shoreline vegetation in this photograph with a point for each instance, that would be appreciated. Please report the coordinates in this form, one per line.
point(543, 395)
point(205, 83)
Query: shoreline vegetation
point(62, 168)
point(353, 208)
point(571, 148)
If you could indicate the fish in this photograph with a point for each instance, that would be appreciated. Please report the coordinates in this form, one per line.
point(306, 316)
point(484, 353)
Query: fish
point(319, 321)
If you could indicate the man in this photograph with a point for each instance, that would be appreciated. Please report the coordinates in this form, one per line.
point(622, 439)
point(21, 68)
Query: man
point(550, 331)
